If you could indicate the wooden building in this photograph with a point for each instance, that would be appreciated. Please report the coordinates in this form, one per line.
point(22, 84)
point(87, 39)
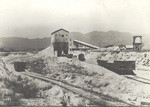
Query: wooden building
point(61, 41)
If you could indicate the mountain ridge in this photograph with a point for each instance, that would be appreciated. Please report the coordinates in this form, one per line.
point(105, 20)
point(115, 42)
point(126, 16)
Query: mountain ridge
point(98, 38)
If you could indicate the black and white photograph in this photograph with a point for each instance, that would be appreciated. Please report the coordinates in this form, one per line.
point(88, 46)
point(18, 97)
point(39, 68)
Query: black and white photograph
point(83, 53)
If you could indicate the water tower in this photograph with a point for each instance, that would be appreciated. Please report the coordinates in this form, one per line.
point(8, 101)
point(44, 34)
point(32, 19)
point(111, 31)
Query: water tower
point(137, 43)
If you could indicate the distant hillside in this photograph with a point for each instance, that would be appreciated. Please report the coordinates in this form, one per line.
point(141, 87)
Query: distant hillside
point(103, 39)
point(17, 43)
point(98, 38)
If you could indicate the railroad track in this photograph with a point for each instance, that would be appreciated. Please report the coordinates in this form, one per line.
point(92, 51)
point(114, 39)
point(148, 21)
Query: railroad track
point(97, 98)
point(139, 79)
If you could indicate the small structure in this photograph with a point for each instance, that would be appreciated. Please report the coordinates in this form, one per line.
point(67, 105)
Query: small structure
point(137, 43)
point(129, 47)
point(119, 67)
point(81, 57)
point(20, 66)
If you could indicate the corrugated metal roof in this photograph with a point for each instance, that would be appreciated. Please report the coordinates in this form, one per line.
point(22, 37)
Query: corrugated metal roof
point(129, 46)
point(87, 44)
point(59, 30)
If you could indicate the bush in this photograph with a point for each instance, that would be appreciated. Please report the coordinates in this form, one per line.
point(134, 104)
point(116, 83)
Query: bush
point(37, 66)
point(11, 100)
point(23, 86)
point(6, 53)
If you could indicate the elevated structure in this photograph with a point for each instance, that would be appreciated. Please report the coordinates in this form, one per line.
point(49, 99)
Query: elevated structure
point(129, 47)
point(60, 40)
point(63, 43)
point(137, 45)
point(83, 45)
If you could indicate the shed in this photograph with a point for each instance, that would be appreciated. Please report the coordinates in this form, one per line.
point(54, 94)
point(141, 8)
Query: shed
point(20, 66)
point(129, 47)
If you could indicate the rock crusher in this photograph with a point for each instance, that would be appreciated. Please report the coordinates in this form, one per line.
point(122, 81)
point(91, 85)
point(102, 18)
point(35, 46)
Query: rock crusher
point(61, 42)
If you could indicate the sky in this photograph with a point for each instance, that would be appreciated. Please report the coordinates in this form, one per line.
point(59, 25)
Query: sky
point(39, 18)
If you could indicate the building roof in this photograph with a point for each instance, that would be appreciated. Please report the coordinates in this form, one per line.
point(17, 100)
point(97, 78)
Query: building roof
point(59, 30)
point(86, 44)
point(129, 46)
point(136, 36)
